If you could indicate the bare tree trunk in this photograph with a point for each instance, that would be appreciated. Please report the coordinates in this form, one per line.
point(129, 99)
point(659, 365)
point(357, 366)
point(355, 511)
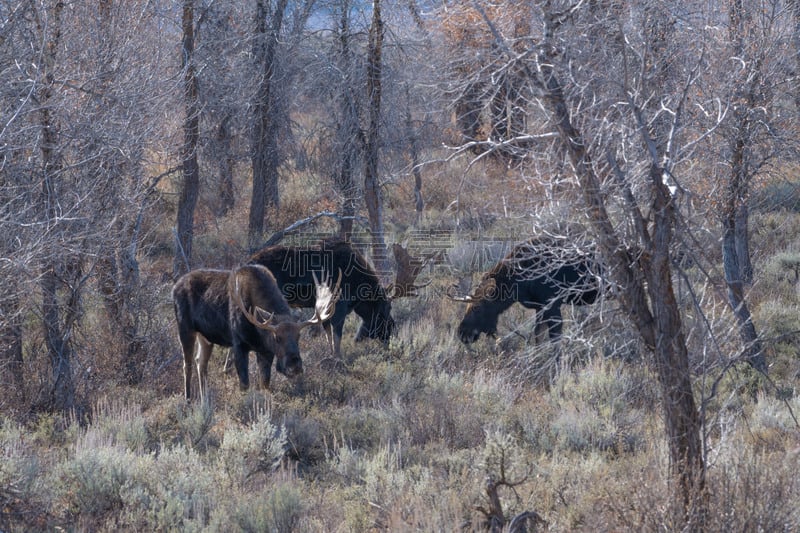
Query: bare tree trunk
point(742, 232)
point(794, 7)
point(117, 269)
point(118, 280)
point(672, 358)
point(345, 181)
point(11, 341)
point(419, 202)
point(264, 150)
point(468, 114)
point(733, 246)
point(735, 243)
point(59, 350)
point(651, 306)
point(225, 165)
point(372, 188)
point(190, 190)
point(349, 142)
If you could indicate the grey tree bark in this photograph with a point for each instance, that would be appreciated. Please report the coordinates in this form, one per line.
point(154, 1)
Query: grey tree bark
point(57, 271)
point(735, 210)
point(190, 189)
point(411, 134)
point(349, 139)
point(644, 276)
point(264, 149)
point(373, 196)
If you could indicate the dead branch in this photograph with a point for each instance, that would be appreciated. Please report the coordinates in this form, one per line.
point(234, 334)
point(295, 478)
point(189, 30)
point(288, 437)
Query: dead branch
point(278, 236)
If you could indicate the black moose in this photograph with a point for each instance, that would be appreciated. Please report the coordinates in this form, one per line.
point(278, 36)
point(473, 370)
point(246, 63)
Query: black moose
point(361, 290)
point(541, 274)
point(244, 309)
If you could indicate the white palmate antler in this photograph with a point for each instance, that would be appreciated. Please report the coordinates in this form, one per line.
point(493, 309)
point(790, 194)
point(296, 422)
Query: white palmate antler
point(326, 300)
point(461, 291)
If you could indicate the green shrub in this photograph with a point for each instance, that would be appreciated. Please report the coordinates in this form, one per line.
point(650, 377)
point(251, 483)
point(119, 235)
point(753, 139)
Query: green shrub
point(366, 427)
point(89, 484)
point(259, 447)
point(776, 196)
point(304, 435)
point(19, 466)
point(169, 492)
point(595, 410)
point(279, 508)
point(23, 492)
point(444, 410)
point(779, 319)
point(195, 421)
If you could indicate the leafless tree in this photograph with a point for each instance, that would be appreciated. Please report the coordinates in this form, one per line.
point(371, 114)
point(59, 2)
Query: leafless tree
point(625, 133)
point(73, 140)
point(373, 196)
point(190, 189)
point(264, 151)
point(222, 48)
point(348, 138)
point(756, 134)
point(57, 271)
point(491, 109)
point(278, 25)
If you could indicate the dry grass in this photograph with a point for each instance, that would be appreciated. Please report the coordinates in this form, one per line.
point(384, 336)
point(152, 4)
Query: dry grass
point(404, 437)
point(398, 438)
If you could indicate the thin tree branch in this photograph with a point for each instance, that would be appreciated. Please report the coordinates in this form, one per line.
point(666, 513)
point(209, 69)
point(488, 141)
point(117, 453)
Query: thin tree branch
point(278, 236)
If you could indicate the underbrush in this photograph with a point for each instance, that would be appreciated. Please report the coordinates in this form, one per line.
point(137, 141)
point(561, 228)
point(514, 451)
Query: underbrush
point(396, 438)
point(420, 434)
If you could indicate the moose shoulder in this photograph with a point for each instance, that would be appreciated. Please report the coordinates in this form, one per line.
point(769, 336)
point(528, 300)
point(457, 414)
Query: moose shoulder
point(243, 309)
point(541, 274)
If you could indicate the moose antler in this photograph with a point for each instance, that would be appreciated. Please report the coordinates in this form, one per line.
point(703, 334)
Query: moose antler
point(408, 268)
point(263, 321)
point(326, 300)
point(460, 292)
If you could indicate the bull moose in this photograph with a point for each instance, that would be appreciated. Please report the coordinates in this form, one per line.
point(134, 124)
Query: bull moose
point(244, 309)
point(361, 289)
point(541, 274)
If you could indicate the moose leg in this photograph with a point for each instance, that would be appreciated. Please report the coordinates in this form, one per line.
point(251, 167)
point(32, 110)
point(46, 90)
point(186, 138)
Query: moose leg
point(540, 328)
point(337, 338)
point(337, 345)
point(240, 353)
point(264, 361)
point(332, 344)
point(228, 368)
point(187, 344)
point(201, 359)
point(551, 318)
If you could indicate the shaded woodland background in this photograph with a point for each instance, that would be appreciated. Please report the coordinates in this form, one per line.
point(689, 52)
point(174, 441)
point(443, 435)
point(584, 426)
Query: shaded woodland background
point(139, 140)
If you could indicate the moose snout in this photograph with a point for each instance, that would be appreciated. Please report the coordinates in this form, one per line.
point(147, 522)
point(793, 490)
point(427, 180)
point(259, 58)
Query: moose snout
point(294, 370)
point(290, 366)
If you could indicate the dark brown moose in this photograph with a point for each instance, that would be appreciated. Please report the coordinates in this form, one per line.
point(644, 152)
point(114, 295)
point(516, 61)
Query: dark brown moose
point(541, 274)
point(361, 290)
point(244, 309)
